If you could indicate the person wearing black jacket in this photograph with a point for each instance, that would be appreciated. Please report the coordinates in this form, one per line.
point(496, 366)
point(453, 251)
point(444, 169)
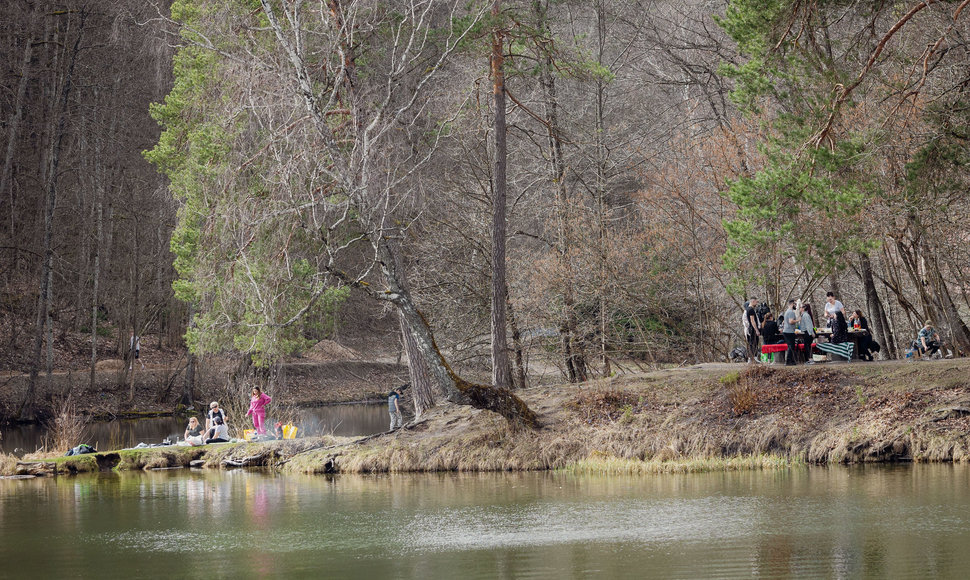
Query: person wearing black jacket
point(769, 330)
point(752, 330)
point(865, 341)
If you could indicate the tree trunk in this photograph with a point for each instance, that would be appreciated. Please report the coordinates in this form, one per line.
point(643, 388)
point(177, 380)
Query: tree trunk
point(135, 293)
point(27, 410)
point(13, 127)
point(188, 386)
point(572, 350)
point(49, 324)
point(455, 389)
point(100, 176)
point(877, 315)
point(421, 388)
point(422, 392)
point(501, 368)
point(518, 376)
point(601, 160)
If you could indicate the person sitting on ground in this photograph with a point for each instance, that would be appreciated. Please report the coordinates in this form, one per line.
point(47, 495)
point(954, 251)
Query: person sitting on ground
point(769, 330)
point(928, 340)
point(214, 411)
point(193, 433)
point(220, 432)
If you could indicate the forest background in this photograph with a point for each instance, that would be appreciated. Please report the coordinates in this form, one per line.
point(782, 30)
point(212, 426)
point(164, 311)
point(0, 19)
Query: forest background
point(311, 170)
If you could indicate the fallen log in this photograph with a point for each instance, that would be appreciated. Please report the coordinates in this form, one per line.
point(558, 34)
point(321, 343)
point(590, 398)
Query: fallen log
point(36, 468)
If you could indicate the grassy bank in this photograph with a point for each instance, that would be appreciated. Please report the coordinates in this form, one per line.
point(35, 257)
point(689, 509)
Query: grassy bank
point(699, 418)
point(269, 455)
point(709, 417)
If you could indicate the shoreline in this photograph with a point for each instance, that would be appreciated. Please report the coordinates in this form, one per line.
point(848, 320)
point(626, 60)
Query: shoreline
point(706, 415)
point(158, 388)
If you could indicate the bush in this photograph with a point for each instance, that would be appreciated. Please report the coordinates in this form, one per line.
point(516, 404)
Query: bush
point(66, 428)
point(742, 389)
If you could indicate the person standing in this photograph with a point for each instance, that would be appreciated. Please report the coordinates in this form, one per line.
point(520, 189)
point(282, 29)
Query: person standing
point(752, 330)
point(135, 346)
point(394, 408)
point(257, 408)
point(831, 307)
point(806, 323)
point(789, 324)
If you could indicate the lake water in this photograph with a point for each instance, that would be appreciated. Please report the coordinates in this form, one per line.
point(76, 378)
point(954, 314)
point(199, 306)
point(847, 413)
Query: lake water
point(344, 420)
point(838, 522)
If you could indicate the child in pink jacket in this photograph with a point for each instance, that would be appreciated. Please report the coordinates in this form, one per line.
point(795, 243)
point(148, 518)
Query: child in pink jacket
point(257, 408)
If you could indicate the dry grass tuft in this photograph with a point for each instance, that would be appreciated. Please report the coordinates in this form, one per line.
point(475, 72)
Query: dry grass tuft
point(8, 464)
point(606, 406)
point(66, 428)
point(602, 464)
point(741, 392)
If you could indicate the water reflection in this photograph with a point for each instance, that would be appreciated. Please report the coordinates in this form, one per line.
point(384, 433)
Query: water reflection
point(343, 420)
point(831, 522)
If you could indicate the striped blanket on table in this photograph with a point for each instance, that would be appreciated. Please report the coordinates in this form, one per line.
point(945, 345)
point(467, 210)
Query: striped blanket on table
point(843, 349)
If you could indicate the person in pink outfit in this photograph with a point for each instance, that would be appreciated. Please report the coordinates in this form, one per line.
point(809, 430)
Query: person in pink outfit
point(257, 408)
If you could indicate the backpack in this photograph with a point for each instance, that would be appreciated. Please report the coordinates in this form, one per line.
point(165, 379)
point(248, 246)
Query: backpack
point(80, 450)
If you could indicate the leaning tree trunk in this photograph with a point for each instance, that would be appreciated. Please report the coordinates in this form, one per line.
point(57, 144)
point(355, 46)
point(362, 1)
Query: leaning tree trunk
point(959, 332)
point(421, 387)
point(455, 389)
point(877, 315)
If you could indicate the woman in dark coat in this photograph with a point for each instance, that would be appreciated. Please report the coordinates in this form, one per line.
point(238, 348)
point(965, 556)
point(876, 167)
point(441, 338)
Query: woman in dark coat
point(865, 341)
point(840, 329)
point(769, 330)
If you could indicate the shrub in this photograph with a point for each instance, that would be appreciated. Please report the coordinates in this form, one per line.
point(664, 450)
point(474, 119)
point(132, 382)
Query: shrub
point(66, 428)
point(741, 392)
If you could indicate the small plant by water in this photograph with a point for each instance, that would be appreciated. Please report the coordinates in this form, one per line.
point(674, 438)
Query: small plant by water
point(741, 393)
point(66, 428)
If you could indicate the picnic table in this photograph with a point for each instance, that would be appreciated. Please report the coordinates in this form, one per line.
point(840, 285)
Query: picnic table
point(777, 351)
point(856, 335)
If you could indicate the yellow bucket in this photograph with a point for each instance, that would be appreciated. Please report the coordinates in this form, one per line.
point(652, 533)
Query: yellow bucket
point(248, 434)
point(289, 431)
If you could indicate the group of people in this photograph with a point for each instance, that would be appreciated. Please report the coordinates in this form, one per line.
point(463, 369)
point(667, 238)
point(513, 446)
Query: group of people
point(216, 428)
point(797, 328)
